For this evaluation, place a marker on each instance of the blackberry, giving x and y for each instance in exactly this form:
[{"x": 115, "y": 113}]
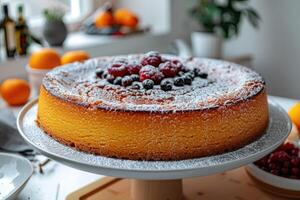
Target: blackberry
[
  {"x": 135, "y": 77},
  {"x": 148, "y": 84},
  {"x": 187, "y": 80},
  {"x": 136, "y": 85},
  {"x": 118, "y": 81},
  {"x": 197, "y": 71},
  {"x": 179, "y": 81},
  {"x": 166, "y": 85},
  {"x": 126, "y": 81},
  {"x": 110, "y": 79}
]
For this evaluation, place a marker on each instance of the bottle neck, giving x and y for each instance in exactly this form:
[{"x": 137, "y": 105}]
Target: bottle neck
[{"x": 5, "y": 10}]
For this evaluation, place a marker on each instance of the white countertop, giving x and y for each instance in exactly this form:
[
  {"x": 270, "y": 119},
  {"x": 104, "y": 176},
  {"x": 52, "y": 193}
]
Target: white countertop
[{"x": 59, "y": 180}]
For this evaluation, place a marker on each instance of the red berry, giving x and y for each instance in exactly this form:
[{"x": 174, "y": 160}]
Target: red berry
[
  {"x": 118, "y": 69},
  {"x": 275, "y": 171},
  {"x": 295, "y": 161},
  {"x": 295, "y": 152},
  {"x": 286, "y": 164},
  {"x": 284, "y": 161},
  {"x": 295, "y": 171},
  {"x": 272, "y": 166},
  {"x": 133, "y": 68},
  {"x": 285, "y": 171},
  {"x": 151, "y": 58},
  {"x": 170, "y": 68},
  {"x": 150, "y": 72}
]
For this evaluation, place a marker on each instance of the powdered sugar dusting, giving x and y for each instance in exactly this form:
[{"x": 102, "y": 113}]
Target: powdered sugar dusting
[{"x": 227, "y": 83}]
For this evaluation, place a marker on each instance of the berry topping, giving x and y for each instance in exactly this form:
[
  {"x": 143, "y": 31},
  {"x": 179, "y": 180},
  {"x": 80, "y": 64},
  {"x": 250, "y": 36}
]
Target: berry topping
[
  {"x": 118, "y": 69},
  {"x": 178, "y": 81},
  {"x": 148, "y": 84},
  {"x": 136, "y": 85},
  {"x": 133, "y": 68},
  {"x": 99, "y": 73},
  {"x": 126, "y": 81},
  {"x": 150, "y": 72},
  {"x": 197, "y": 71},
  {"x": 190, "y": 74},
  {"x": 135, "y": 77},
  {"x": 151, "y": 58},
  {"x": 110, "y": 79},
  {"x": 187, "y": 79},
  {"x": 170, "y": 68},
  {"x": 118, "y": 81},
  {"x": 166, "y": 85},
  {"x": 203, "y": 75},
  {"x": 284, "y": 161}
]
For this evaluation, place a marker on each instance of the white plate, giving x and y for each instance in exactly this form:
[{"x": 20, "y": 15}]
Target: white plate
[
  {"x": 278, "y": 129},
  {"x": 15, "y": 171},
  {"x": 271, "y": 179}
]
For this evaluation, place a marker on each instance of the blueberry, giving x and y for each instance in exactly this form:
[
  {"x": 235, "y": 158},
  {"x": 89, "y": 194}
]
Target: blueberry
[
  {"x": 187, "y": 80},
  {"x": 190, "y": 74},
  {"x": 126, "y": 81},
  {"x": 118, "y": 81},
  {"x": 197, "y": 71},
  {"x": 110, "y": 79},
  {"x": 203, "y": 75},
  {"x": 136, "y": 85},
  {"x": 105, "y": 75},
  {"x": 135, "y": 77},
  {"x": 179, "y": 81},
  {"x": 166, "y": 85},
  {"x": 99, "y": 73},
  {"x": 148, "y": 84}
]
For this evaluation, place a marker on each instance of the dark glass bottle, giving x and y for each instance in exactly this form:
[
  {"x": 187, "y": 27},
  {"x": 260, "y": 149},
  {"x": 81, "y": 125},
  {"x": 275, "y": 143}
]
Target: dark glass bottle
[
  {"x": 8, "y": 26},
  {"x": 22, "y": 35}
]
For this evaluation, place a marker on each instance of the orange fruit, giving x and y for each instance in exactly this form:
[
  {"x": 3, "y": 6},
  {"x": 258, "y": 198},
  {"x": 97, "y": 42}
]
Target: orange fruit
[
  {"x": 125, "y": 17},
  {"x": 104, "y": 19},
  {"x": 294, "y": 114},
  {"x": 15, "y": 91},
  {"x": 46, "y": 58},
  {"x": 73, "y": 56}
]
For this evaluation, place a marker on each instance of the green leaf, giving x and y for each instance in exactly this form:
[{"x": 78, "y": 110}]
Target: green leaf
[{"x": 253, "y": 17}]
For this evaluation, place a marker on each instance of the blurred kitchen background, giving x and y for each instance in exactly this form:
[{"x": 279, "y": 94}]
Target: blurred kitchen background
[{"x": 261, "y": 34}]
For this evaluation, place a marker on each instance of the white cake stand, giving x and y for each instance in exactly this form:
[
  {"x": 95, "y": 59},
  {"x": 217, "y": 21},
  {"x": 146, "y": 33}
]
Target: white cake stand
[{"x": 155, "y": 179}]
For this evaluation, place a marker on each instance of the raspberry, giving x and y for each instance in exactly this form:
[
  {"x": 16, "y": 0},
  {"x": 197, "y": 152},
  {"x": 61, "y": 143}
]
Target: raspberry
[
  {"x": 118, "y": 69},
  {"x": 170, "y": 68},
  {"x": 151, "y": 58},
  {"x": 150, "y": 72},
  {"x": 133, "y": 68}
]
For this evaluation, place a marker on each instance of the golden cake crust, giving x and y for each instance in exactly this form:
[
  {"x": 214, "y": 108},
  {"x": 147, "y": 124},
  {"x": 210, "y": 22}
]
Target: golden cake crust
[{"x": 170, "y": 127}]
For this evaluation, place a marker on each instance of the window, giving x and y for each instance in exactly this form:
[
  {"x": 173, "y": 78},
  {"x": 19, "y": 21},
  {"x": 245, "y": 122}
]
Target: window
[{"x": 33, "y": 9}]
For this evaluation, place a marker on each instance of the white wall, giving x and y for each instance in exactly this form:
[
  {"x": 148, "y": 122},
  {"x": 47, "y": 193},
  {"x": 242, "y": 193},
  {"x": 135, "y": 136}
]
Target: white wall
[{"x": 275, "y": 46}]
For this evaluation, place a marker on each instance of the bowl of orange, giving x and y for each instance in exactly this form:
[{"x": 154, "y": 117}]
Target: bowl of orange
[
  {"x": 40, "y": 62},
  {"x": 44, "y": 60}
]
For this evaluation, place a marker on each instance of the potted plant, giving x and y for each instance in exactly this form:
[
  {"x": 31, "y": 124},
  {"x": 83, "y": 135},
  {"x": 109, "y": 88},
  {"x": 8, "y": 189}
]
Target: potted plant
[
  {"x": 218, "y": 22},
  {"x": 55, "y": 30}
]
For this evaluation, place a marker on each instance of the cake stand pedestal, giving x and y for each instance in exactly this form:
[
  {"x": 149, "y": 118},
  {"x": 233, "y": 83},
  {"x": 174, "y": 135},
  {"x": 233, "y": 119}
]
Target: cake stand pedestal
[
  {"x": 156, "y": 189},
  {"x": 159, "y": 180}
]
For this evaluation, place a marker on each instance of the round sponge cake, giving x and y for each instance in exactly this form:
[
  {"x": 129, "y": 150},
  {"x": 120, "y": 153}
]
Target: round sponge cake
[{"x": 221, "y": 112}]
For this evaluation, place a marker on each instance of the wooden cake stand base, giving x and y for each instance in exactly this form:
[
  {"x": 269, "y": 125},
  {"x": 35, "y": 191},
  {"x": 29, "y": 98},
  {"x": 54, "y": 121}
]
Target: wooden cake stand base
[{"x": 231, "y": 185}]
